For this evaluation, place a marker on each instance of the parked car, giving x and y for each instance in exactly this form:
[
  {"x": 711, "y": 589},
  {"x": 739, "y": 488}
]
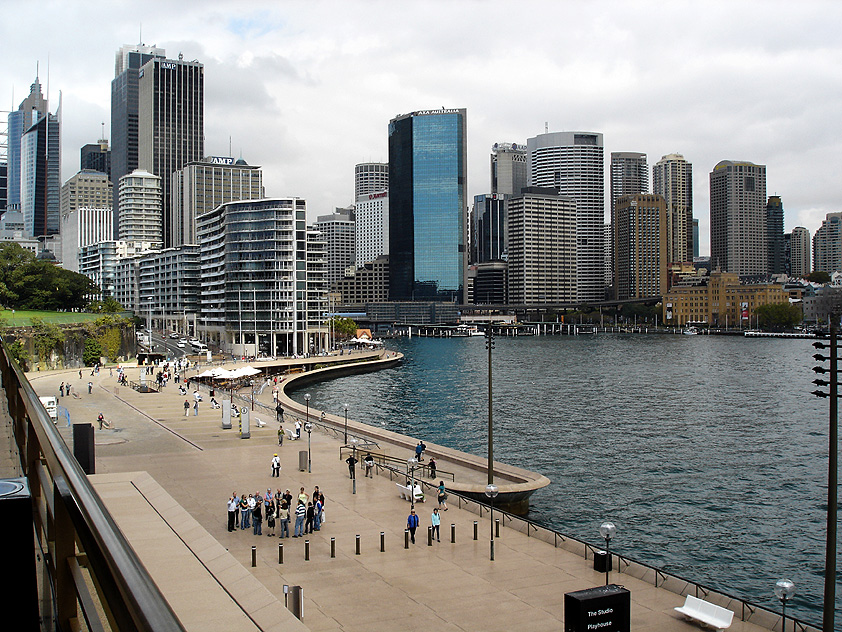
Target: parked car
[
  {"x": 51, "y": 406},
  {"x": 181, "y": 344},
  {"x": 174, "y": 336}
]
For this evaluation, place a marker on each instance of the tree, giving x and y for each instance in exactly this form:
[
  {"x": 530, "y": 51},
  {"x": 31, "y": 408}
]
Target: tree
[
  {"x": 46, "y": 338},
  {"x": 818, "y": 276},
  {"x": 778, "y": 316},
  {"x": 92, "y": 352},
  {"x": 18, "y": 354},
  {"x": 343, "y": 327}
]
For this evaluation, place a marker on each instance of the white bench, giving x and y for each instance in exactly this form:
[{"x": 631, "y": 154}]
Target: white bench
[
  {"x": 706, "y": 613},
  {"x": 405, "y": 491},
  {"x": 290, "y": 434}
]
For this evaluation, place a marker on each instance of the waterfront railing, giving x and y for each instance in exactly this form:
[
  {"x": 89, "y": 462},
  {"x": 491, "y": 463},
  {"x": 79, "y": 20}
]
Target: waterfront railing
[{"x": 87, "y": 563}]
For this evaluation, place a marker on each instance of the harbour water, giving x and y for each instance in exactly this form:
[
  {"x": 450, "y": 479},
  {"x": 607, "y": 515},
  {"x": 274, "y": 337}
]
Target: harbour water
[{"x": 709, "y": 453}]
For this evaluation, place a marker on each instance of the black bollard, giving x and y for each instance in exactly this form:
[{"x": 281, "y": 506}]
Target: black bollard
[
  {"x": 253, "y": 556},
  {"x": 306, "y": 550},
  {"x": 333, "y": 547},
  {"x": 406, "y": 538},
  {"x": 497, "y": 527},
  {"x": 358, "y": 544},
  {"x": 475, "y": 529},
  {"x": 429, "y": 535},
  {"x": 280, "y": 552},
  {"x": 453, "y": 533},
  {"x": 382, "y": 541}
]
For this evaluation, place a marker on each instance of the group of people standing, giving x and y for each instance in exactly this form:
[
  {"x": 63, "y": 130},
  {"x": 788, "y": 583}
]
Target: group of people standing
[{"x": 249, "y": 511}]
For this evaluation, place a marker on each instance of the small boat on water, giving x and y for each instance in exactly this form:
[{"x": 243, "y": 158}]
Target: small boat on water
[
  {"x": 466, "y": 331},
  {"x": 690, "y": 331}
]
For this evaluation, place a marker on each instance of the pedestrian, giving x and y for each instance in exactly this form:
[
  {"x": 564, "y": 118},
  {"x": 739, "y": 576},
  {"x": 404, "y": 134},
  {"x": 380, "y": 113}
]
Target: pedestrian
[
  {"x": 90, "y": 387},
  {"x": 436, "y": 521},
  {"x": 276, "y": 466},
  {"x": 270, "y": 518},
  {"x": 186, "y": 407},
  {"x": 419, "y": 450},
  {"x": 351, "y": 461},
  {"x": 280, "y": 435},
  {"x": 442, "y": 496},
  {"x": 101, "y": 420},
  {"x": 195, "y": 409},
  {"x": 317, "y": 513},
  {"x": 368, "y": 461},
  {"x": 61, "y": 389},
  {"x": 232, "y": 510},
  {"x": 80, "y": 374},
  {"x": 311, "y": 516},
  {"x": 287, "y": 496},
  {"x": 67, "y": 389},
  {"x": 412, "y": 525},
  {"x": 257, "y": 517},
  {"x": 432, "y": 466},
  {"x": 303, "y": 497},
  {"x": 283, "y": 516},
  {"x": 237, "y": 512},
  {"x": 297, "y": 428},
  {"x": 300, "y": 514},
  {"x": 245, "y": 523}
]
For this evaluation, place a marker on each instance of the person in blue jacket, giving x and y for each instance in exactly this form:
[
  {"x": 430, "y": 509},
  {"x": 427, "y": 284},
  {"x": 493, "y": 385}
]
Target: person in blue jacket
[{"x": 412, "y": 525}]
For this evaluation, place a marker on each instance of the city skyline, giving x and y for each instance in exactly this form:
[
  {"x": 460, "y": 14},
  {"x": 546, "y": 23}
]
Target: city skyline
[{"x": 734, "y": 82}]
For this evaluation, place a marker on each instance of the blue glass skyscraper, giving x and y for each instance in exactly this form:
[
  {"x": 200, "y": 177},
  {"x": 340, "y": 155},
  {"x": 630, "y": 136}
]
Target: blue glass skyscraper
[{"x": 427, "y": 205}]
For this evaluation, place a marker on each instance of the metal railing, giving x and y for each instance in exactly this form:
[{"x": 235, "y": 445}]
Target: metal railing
[
  {"x": 75, "y": 532},
  {"x": 393, "y": 463}
]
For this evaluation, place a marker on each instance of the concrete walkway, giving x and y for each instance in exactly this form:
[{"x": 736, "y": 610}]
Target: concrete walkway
[{"x": 447, "y": 586}]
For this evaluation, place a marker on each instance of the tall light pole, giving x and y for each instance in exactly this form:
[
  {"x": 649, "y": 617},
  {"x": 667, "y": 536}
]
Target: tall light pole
[
  {"x": 491, "y": 491},
  {"x": 412, "y": 463},
  {"x": 309, "y": 428},
  {"x": 345, "y": 407},
  {"x": 607, "y": 530},
  {"x": 354, "y": 441},
  {"x": 489, "y": 344},
  {"x": 784, "y": 589}
]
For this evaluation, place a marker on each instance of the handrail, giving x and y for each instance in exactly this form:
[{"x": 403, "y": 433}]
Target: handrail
[
  {"x": 127, "y": 591},
  {"x": 385, "y": 458}
]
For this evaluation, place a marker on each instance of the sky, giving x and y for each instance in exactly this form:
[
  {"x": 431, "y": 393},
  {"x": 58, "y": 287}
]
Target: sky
[{"x": 307, "y": 89}]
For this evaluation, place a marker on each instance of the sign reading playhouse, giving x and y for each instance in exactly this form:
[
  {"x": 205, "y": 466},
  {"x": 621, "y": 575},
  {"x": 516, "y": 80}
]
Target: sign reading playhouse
[{"x": 602, "y": 609}]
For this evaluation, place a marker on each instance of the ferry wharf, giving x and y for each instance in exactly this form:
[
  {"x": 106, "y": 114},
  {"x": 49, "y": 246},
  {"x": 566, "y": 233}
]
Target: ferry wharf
[{"x": 165, "y": 477}]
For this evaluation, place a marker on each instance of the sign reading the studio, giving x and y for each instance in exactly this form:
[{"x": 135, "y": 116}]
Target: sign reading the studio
[{"x": 602, "y": 609}]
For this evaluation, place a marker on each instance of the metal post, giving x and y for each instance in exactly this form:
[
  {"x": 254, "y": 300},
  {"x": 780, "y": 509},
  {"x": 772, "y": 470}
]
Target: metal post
[
  {"x": 280, "y": 552},
  {"x": 489, "y": 344},
  {"x": 345, "y": 406},
  {"x": 475, "y": 529},
  {"x": 491, "y": 517},
  {"x": 306, "y": 550},
  {"x": 452, "y": 533},
  {"x": 429, "y": 535},
  {"x": 382, "y": 542},
  {"x": 832, "y": 491},
  {"x": 406, "y": 538},
  {"x": 497, "y": 527},
  {"x": 333, "y": 547},
  {"x": 358, "y": 544},
  {"x": 253, "y": 556}
]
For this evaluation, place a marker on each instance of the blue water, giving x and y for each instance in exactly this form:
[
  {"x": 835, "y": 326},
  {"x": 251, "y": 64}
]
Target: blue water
[{"x": 709, "y": 453}]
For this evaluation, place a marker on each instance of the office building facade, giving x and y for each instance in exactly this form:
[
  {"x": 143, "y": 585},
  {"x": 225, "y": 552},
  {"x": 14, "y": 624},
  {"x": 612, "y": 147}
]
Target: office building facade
[
  {"x": 370, "y": 177},
  {"x": 640, "y": 246},
  {"x": 30, "y": 111},
  {"x": 366, "y": 283},
  {"x": 86, "y": 189},
  {"x": 799, "y": 252},
  {"x": 40, "y": 176},
  {"x": 672, "y": 178},
  {"x": 96, "y": 157},
  {"x": 776, "y": 263},
  {"x": 427, "y": 205},
  {"x": 490, "y": 227},
  {"x": 201, "y": 186},
  {"x": 738, "y": 237},
  {"x": 827, "y": 245},
  {"x": 82, "y": 227},
  {"x": 508, "y": 168},
  {"x": 372, "y": 226},
  {"x": 140, "y": 207},
  {"x": 338, "y": 232},
  {"x": 572, "y": 163},
  {"x": 542, "y": 262},
  {"x": 170, "y": 125}
]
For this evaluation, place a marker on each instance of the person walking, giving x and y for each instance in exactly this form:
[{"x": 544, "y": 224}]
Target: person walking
[
  {"x": 368, "y": 461},
  {"x": 283, "y": 517},
  {"x": 186, "y": 407},
  {"x": 300, "y": 515},
  {"x": 257, "y": 516},
  {"x": 351, "y": 461},
  {"x": 412, "y": 525},
  {"x": 436, "y": 521},
  {"x": 232, "y": 510},
  {"x": 61, "y": 389},
  {"x": 419, "y": 451},
  {"x": 432, "y": 466},
  {"x": 101, "y": 420},
  {"x": 280, "y": 435},
  {"x": 276, "y": 466},
  {"x": 297, "y": 429},
  {"x": 442, "y": 496},
  {"x": 195, "y": 409},
  {"x": 90, "y": 387}
]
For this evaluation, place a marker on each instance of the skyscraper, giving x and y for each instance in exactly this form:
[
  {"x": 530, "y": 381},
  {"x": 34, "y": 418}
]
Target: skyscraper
[
  {"x": 508, "y": 168},
  {"x": 427, "y": 204},
  {"x": 124, "y": 122},
  {"x": 372, "y": 226},
  {"x": 799, "y": 252},
  {"x": 827, "y": 245},
  {"x": 490, "y": 227},
  {"x": 370, "y": 177},
  {"x": 338, "y": 233},
  {"x": 170, "y": 124},
  {"x": 140, "y": 208},
  {"x": 640, "y": 246},
  {"x": 40, "y": 176},
  {"x": 738, "y": 239},
  {"x": 572, "y": 163},
  {"x": 775, "y": 235},
  {"x": 629, "y": 174},
  {"x": 30, "y": 110},
  {"x": 96, "y": 157},
  {"x": 672, "y": 178}
]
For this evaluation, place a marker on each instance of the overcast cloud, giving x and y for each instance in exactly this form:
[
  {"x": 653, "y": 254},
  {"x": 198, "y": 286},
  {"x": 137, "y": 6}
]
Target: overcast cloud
[{"x": 306, "y": 89}]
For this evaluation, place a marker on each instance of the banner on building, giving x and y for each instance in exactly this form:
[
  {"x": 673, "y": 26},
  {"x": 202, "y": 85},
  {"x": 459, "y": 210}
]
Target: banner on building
[{"x": 744, "y": 310}]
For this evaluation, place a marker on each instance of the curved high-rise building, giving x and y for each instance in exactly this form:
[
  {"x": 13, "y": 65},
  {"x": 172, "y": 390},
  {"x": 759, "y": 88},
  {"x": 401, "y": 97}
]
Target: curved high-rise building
[
  {"x": 140, "y": 207},
  {"x": 672, "y": 178},
  {"x": 370, "y": 177}
]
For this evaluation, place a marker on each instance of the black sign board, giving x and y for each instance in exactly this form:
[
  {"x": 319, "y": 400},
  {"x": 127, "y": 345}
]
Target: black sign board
[{"x": 602, "y": 609}]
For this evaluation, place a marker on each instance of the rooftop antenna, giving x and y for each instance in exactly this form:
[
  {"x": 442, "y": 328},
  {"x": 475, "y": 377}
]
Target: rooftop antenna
[
  {"x": 140, "y": 33},
  {"x": 546, "y": 127},
  {"x": 230, "y": 151}
]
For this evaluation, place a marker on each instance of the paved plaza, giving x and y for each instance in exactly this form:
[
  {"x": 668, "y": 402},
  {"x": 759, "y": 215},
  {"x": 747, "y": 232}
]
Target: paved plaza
[{"x": 166, "y": 477}]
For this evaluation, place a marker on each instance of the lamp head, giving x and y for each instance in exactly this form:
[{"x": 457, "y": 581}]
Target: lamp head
[
  {"x": 306, "y": 397},
  {"x": 784, "y": 589},
  {"x": 345, "y": 406},
  {"x": 607, "y": 530},
  {"x": 412, "y": 462},
  {"x": 491, "y": 490}
]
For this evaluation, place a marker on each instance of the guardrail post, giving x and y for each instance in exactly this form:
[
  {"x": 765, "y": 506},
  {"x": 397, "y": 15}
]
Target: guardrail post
[
  {"x": 497, "y": 527},
  {"x": 306, "y": 550},
  {"x": 333, "y": 547},
  {"x": 358, "y": 544},
  {"x": 453, "y": 533},
  {"x": 65, "y": 547},
  {"x": 406, "y": 538},
  {"x": 280, "y": 552},
  {"x": 253, "y": 556},
  {"x": 429, "y": 535},
  {"x": 475, "y": 529},
  {"x": 382, "y": 541}
]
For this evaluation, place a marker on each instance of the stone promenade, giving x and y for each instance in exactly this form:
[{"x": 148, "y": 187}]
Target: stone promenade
[{"x": 166, "y": 477}]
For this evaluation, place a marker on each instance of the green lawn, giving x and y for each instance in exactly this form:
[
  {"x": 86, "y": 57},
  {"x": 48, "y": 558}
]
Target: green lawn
[{"x": 23, "y": 318}]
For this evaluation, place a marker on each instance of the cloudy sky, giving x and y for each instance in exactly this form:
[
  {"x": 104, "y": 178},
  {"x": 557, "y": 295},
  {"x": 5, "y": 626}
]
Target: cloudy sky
[{"x": 306, "y": 89}]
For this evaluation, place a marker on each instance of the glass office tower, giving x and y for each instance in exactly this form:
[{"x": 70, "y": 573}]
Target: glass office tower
[{"x": 427, "y": 197}]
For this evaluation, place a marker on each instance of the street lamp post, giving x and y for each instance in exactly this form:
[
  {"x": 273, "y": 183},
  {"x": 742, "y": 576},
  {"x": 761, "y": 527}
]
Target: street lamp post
[
  {"x": 307, "y": 401},
  {"x": 309, "y": 428},
  {"x": 354, "y": 441},
  {"x": 784, "y": 589},
  {"x": 251, "y": 382},
  {"x": 489, "y": 344},
  {"x": 607, "y": 530},
  {"x": 412, "y": 463},
  {"x": 491, "y": 491},
  {"x": 345, "y": 407}
]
